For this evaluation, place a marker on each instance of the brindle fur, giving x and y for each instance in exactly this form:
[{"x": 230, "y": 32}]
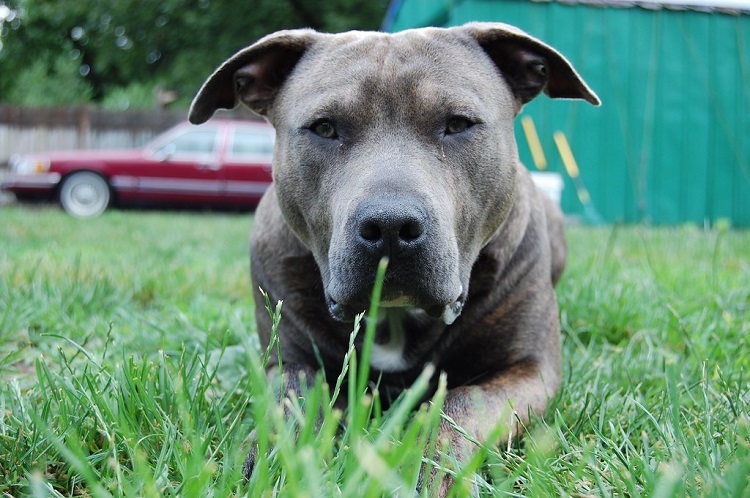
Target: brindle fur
[{"x": 464, "y": 227}]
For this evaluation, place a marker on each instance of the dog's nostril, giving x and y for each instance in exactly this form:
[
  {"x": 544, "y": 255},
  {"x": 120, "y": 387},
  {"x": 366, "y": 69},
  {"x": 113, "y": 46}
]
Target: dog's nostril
[
  {"x": 370, "y": 231},
  {"x": 410, "y": 231}
]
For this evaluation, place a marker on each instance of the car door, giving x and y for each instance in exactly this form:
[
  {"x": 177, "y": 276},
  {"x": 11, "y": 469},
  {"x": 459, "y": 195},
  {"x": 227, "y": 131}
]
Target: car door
[
  {"x": 247, "y": 163},
  {"x": 184, "y": 168}
]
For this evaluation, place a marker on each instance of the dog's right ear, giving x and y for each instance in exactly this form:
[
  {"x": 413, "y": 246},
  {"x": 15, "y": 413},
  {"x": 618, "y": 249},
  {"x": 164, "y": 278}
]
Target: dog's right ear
[
  {"x": 529, "y": 65},
  {"x": 253, "y": 75}
]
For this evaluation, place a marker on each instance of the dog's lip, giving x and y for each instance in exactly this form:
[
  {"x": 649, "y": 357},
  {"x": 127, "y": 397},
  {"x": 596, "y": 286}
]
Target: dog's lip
[
  {"x": 340, "y": 312},
  {"x": 447, "y": 313}
]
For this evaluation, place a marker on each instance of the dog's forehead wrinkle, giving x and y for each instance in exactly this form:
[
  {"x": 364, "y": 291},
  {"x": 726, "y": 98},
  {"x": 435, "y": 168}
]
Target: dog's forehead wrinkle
[{"x": 397, "y": 77}]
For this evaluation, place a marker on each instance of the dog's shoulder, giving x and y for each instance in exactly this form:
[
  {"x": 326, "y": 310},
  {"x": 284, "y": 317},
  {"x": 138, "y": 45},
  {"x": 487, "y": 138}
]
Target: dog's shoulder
[
  {"x": 270, "y": 236},
  {"x": 530, "y": 243}
]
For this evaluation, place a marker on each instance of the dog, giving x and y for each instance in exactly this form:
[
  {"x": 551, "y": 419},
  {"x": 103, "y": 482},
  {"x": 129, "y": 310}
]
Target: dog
[{"x": 402, "y": 146}]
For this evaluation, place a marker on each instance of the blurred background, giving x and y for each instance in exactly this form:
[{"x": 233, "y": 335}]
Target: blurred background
[
  {"x": 671, "y": 142},
  {"x": 670, "y": 145}
]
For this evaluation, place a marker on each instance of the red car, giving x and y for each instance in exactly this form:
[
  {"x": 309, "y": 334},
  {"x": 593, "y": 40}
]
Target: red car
[{"x": 220, "y": 164}]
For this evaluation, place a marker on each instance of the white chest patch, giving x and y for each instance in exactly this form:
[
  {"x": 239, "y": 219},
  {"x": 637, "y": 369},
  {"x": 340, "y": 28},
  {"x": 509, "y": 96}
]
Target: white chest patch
[{"x": 389, "y": 357}]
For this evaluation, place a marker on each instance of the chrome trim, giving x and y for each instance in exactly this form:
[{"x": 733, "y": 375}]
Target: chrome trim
[
  {"x": 179, "y": 185},
  {"x": 37, "y": 180},
  {"x": 175, "y": 185},
  {"x": 236, "y": 187}
]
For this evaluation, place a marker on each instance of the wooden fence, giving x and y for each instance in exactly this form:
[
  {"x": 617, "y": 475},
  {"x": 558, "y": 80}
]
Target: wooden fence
[{"x": 24, "y": 130}]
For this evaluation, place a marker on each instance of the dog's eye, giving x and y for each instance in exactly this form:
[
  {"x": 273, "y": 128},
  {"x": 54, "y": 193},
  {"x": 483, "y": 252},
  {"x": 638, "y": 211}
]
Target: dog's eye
[
  {"x": 457, "y": 124},
  {"x": 324, "y": 129}
]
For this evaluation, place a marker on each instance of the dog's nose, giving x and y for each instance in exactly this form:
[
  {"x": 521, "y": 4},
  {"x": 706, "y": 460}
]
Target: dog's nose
[{"x": 389, "y": 228}]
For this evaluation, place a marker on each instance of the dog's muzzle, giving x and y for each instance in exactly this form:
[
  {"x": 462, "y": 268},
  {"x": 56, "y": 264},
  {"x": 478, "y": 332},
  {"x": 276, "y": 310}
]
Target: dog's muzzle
[{"x": 401, "y": 231}]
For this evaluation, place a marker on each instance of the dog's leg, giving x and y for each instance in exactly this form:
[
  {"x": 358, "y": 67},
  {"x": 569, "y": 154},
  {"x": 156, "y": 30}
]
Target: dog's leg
[
  {"x": 296, "y": 380},
  {"x": 508, "y": 398}
]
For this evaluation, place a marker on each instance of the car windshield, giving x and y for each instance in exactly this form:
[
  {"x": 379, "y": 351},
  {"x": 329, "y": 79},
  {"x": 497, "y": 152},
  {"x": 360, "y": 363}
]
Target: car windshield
[
  {"x": 190, "y": 143},
  {"x": 246, "y": 143}
]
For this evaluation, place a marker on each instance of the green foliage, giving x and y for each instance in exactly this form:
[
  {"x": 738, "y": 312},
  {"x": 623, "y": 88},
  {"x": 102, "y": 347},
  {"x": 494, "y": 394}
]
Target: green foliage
[
  {"x": 45, "y": 84},
  {"x": 133, "y": 96},
  {"x": 130, "y": 367},
  {"x": 173, "y": 44}
]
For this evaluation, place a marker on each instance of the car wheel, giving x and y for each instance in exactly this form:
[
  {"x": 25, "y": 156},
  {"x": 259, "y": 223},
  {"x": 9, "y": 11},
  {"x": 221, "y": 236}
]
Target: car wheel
[{"x": 84, "y": 194}]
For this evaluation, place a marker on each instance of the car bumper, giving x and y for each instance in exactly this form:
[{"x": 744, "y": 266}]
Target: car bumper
[{"x": 36, "y": 183}]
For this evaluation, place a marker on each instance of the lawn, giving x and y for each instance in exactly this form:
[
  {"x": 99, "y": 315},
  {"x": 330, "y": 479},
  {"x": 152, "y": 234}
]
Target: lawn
[{"x": 130, "y": 367}]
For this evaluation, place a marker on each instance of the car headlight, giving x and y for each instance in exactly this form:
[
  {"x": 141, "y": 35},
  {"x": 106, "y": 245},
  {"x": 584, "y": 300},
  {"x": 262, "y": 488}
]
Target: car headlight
[{"x": 25, "y": 165}]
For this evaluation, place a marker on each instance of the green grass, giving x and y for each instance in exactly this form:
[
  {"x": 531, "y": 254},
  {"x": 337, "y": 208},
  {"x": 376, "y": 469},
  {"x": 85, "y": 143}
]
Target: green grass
[{"x": 130, "y": 367}]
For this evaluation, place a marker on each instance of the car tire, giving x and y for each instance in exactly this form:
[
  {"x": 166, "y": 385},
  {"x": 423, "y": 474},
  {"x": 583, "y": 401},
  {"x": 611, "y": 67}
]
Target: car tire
[{"x": 85, "y": 194}]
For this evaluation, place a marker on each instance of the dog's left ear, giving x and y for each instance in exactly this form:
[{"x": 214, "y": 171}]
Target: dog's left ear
[
  {"x": 528, "y": 65},
  {"x": 253, "y": 75}
]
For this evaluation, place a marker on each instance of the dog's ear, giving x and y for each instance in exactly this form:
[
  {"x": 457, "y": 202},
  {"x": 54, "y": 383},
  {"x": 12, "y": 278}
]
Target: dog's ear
[
  {"x": 253, "y": 75},
  {"x": 528, "y": 65}
]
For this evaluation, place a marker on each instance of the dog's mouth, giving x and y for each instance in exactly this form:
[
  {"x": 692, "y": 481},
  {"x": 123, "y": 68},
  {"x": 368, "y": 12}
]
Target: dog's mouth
[{"x": 447, "y": 313}]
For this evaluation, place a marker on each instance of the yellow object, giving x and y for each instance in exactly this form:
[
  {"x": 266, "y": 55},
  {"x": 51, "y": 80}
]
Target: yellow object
[
  {"x": 567, "y": 155},
  {"x": 537, "y": 154}
]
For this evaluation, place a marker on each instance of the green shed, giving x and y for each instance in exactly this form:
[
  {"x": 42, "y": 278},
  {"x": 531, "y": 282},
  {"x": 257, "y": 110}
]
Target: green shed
[{"x": 671, "y": 142}]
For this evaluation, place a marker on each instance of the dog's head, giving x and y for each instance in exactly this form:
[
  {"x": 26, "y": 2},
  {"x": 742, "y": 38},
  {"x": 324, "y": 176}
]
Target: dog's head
[{"x": 397, "y": 145}]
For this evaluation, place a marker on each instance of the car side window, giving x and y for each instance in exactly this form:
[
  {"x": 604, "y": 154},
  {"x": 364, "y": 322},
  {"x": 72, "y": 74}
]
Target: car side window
[
  {"x": 248, "y": 143},
  {"x": 192, "y": 143}
]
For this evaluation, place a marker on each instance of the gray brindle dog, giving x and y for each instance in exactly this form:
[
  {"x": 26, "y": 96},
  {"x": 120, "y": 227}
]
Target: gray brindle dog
[{"x": 402, "y": 145}]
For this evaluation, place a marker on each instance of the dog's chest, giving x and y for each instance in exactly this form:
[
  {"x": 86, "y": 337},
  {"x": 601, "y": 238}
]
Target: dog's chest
[
  {"x": 389, "y": 349},
  {"x": 405, "y": 340}
]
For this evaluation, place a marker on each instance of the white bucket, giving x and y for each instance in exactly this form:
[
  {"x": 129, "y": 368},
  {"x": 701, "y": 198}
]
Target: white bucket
[{"x": 549, "y": 183}]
